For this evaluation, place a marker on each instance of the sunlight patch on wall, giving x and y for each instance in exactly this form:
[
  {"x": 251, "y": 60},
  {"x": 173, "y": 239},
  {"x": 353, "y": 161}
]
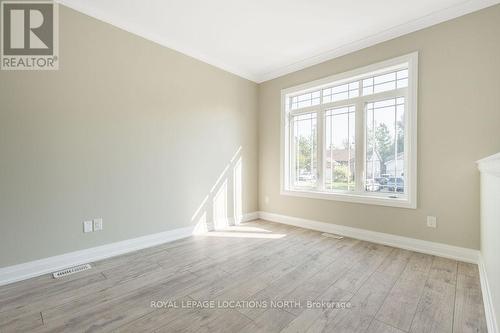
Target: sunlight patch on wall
[
  {"x": 238, "y": 192},
  {"x": 220, "y": 207},
  {"x": 223, "y": 205}
]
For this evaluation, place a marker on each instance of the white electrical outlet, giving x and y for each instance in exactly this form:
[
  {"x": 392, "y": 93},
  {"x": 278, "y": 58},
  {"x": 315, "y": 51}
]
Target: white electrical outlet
[
  {"x": 266, "y": 200},
  {"x": 98, "y": 224},
  {"x": 431, "y": 222},
  {"x": 87, "y": 226}
]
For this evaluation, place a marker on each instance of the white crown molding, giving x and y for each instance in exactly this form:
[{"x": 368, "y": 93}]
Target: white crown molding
[
  {"x": 490, "y": 165},
  {"x": 417, "y": 245},
  {"x": 446, "y": 14},
  {"x": 489, "y": 310},
  {"x": 39, "y": 267},
  {"x": 156, "y": 38},
  {"x": 397, "y": 31}
]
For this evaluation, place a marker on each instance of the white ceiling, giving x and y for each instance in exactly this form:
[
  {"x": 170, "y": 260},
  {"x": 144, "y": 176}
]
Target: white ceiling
[{"x": 264, "y": 39}]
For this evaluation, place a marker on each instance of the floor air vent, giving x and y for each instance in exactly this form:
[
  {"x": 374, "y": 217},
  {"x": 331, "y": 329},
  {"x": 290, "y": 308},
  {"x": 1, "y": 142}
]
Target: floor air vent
[{"x": 71, "y": 270}]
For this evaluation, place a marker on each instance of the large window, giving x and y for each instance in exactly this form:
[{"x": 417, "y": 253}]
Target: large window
[{"x": 352, "y": 137}]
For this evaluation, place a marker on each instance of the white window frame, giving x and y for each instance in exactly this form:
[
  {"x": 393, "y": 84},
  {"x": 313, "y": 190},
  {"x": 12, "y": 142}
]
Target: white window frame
[{"x": 409, "y": 200}]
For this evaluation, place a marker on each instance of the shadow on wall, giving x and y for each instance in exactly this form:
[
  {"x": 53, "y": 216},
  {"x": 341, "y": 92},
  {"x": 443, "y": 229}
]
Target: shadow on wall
[{"x": 222, "y": 206}]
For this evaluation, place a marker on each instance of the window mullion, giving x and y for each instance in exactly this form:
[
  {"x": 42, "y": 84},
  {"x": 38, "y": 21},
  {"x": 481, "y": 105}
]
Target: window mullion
[
  {"x": 320, "y": 149},
  {"x": 360, "y": 146},
  {"x": 292, "y": 151}
]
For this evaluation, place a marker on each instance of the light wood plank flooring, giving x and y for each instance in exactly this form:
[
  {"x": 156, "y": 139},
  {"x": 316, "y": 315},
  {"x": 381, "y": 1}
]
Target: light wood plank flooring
[{"x": 264, "y": 277}]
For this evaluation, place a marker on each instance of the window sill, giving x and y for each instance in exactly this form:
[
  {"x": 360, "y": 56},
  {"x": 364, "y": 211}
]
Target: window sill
[{"x": 403, "y": 202}]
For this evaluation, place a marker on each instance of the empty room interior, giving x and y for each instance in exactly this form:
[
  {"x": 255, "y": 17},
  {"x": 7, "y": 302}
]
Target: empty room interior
[{"x": 250, "y": 166}]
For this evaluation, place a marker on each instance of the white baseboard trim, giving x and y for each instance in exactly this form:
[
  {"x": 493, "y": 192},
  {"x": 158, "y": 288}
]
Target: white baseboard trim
[
  {"x": 438, "y": 249},
  {"x": 489, "y": 310},
  {"x": 234, "y": 221},
  {"x": 39, "y": 267},
  {"x": 31, "y": 269},
  {"x": 249, "y": 217}
]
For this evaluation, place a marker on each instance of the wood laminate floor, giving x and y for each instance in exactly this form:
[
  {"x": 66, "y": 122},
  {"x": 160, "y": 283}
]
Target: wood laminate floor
[{"x": 257, "y": 277}]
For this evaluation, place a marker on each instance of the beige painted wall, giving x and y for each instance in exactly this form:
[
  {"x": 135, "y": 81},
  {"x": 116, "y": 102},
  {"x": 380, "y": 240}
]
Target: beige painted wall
[
  {"x": 458, "y": 123},
  {"x": 138, "y": 134},
  {"x": 126, "y": 130}
]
